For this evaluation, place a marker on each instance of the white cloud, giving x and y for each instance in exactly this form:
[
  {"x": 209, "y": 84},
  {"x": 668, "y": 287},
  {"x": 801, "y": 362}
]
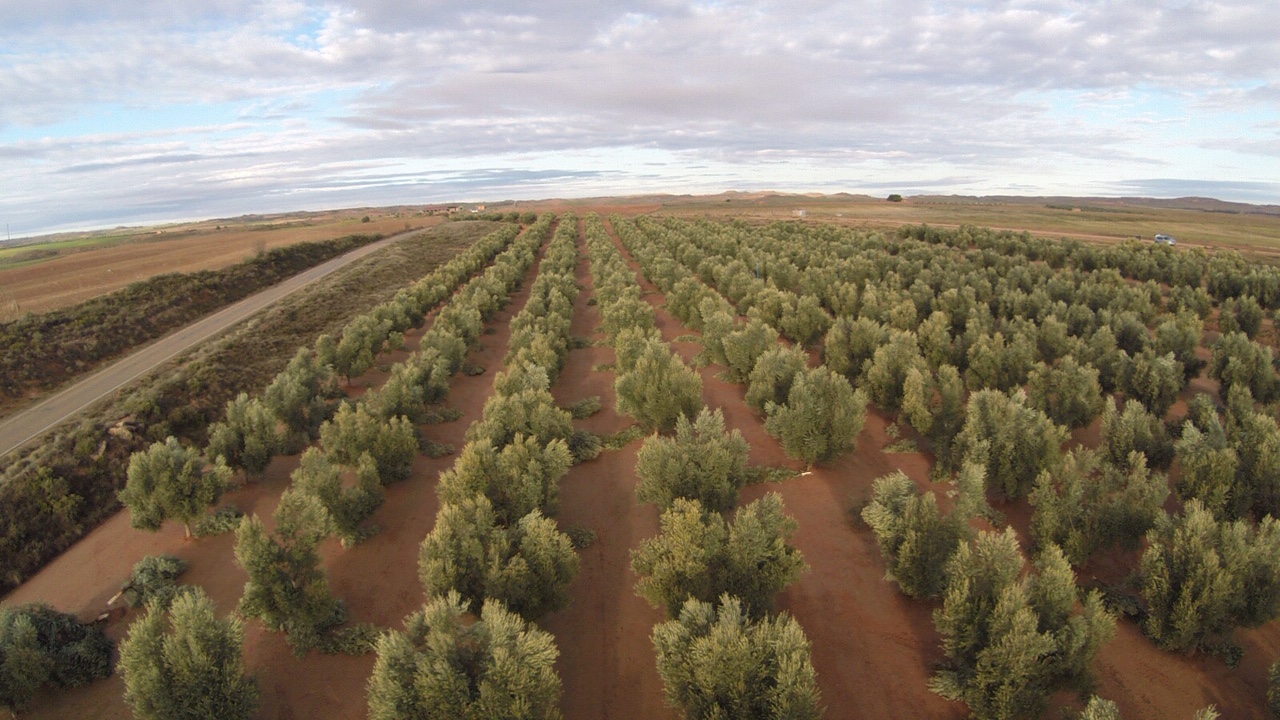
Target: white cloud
[{"x": 817, "y": 89}]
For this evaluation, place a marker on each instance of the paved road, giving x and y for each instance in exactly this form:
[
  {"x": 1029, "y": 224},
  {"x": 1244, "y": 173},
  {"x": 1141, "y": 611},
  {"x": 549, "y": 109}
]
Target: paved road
[{"x": 21, "y": 428}]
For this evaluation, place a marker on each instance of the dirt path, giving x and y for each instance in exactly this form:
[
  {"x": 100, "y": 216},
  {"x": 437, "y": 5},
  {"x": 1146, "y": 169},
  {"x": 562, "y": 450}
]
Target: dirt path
[
  {"x": 606, "y": 659},
  {"x": 378, "y": 579},
  {"x": 18, "y": 429}
]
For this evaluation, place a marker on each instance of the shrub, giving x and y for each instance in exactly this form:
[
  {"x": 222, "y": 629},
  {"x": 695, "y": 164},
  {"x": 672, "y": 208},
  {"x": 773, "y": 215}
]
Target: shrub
[
  {"x": 444, "y": 665},
  {"x": 702, "y": 462},
  {"x": 822, "y": 417},
  {"x": 154, "y": 580},
  {"x": 180, "y": 662},
  {"x": 716, "y": 662},
  {"x": 40, "y": 646}
]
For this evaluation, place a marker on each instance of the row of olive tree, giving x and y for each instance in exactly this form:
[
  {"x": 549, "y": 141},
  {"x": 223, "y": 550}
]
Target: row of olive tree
[{"x": 494, "y": 551}]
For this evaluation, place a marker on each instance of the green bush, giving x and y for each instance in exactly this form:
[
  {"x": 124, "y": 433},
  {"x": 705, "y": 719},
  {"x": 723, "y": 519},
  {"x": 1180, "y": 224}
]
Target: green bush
[
  {"x": 822, "y": 417},
  {"x": 659, "y": 389},
  {"x": 1015, "y": 442},
  {"x": 154, "y": 579},
  {"x": 40, "y": 646}
]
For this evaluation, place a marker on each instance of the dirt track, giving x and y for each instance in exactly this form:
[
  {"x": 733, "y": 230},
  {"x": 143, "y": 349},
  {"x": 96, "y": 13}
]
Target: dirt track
[{"x": 18, "y": 429}]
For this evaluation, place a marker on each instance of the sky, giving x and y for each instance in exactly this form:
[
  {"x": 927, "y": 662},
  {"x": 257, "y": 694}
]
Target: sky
[{"x": 140, "y": 111}]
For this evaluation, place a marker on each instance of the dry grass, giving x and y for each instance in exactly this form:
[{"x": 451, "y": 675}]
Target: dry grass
[{"x": 88, "y": 267}]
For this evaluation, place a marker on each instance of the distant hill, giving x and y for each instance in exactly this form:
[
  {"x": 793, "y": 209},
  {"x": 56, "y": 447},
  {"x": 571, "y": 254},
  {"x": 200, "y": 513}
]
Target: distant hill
[{"x": 1202, "y": 204}]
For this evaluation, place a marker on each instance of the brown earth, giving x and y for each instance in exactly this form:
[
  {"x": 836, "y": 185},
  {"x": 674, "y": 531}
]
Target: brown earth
[
  {"x": 78, "y": 276},
  {"x": 873, "y": 648}
]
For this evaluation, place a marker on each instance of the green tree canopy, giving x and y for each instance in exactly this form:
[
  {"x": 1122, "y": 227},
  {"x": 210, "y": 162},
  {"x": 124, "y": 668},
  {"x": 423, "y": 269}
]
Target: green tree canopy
[
  {"x": 448, "y": 666},
  {"x": 181, "y": 662},
  {"x": 171, "y": 481}
]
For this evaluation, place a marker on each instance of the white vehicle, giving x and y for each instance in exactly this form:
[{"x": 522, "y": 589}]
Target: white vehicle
[{"x": 1165, "y": 240}]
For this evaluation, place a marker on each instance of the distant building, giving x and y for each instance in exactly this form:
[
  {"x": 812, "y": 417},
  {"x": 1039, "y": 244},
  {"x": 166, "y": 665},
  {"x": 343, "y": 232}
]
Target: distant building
[{"x": 800, "y": 213}]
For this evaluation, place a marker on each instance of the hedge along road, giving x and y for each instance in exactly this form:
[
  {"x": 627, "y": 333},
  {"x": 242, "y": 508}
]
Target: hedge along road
[{"x": 29, "y": 424}]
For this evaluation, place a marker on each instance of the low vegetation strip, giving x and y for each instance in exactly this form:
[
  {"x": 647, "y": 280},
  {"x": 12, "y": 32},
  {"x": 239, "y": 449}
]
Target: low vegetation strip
[
  {"x": 54, "y": 493},
  {"x": 42, "y": 351}
]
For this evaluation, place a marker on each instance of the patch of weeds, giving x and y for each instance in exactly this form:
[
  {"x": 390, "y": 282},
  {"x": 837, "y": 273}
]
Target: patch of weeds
[
  {"x": 585, "y": 407},
  {"x": 433, "y": 449},
  {"x": 224, "y": 519},
  {"x": 489, "y": 330},
  {"x": 472, "y": 369},
  {"x": 354, "y": 640},
  {"x": 905, "y": 445},
  {"x": 1230, "y": 652},
  {"x": 622, "y": 438},
  {"x": 578, "y": 342},
  {"x": 688, "y": 338},
  {"x": 154, "y": 579},
  {"x": 605, "y": 367},
  {"x": 437, "y": 414},
  {"x": 892, "y": 430},
  {"x": 1121, "y": 598},
  {"x": 854, "y": 507},
  {"x": 593, "y": 300},
  {"x": 384, "y": 367},
  {"x": 584, "y": 446},
  {"x": 582, "y": 538},
  {"x": 769, "y": 473}
]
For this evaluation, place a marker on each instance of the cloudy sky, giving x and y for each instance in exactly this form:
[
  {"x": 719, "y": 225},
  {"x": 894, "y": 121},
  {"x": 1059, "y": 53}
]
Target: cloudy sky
[{"x": 135, "y": 111}]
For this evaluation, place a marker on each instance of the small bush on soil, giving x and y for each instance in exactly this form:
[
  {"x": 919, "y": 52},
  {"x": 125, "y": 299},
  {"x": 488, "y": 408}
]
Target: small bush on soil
[
  {"x": 154, "y": 580},
  {"x": 223, "y": 520},
  {"x": 585, "y": 407},
  {"x": 40, "y": 646}
]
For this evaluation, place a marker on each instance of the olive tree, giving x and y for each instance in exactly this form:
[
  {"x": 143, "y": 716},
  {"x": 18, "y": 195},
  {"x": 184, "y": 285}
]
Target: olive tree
[
  {"x": 821, "y": 418},
  {"x": 528, "y": 566},
  {"x": 288, "y": 589},
  {"x": 771, "y": 378},
  {"x": 1012, "y": 640},
  {"x": 702, "y": 461},
  {"x": 915, "y": 538},
  {"x": 1014, "y": 441},
  {"x": 522, "y": 477},
  {"x": 447, "y": 666},
  {"x": 698, "y": 554},
  {"x": 354, "y": 431},
  {"x": 348, "y": 506},
  {"x": 1067, "y": 392},
  {"x": 659, "y": 389},
  {"x": 170, "y": 481},
  {"x": 181, "y": 662},
  {"x": 717, "y": 662},
  {"x": 249, "y": 437}
]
